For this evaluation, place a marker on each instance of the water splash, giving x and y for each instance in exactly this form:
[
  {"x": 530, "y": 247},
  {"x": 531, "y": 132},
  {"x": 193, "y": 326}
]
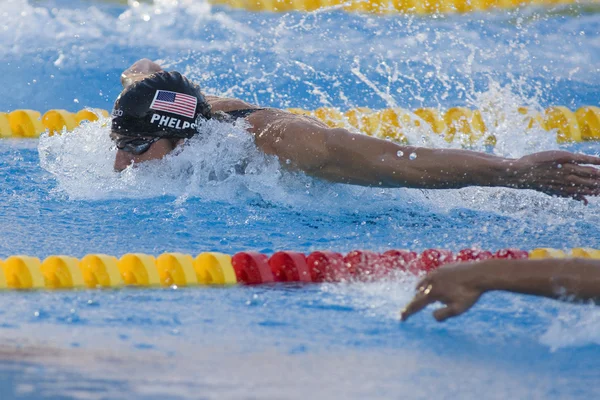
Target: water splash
[
  {"x": 575, "y": 326},
  {"x": 82, "y": 162}
]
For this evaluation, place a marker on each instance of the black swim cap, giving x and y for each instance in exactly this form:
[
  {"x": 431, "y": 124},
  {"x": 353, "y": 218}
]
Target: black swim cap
[{"x": 164, "y": 105}]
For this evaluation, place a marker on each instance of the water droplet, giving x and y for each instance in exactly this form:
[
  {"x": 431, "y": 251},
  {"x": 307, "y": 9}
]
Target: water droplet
[
  {"x": 399, "y": 153},
  {"x": 412, "y": 156},
  {"x": 559, "y": 166}
]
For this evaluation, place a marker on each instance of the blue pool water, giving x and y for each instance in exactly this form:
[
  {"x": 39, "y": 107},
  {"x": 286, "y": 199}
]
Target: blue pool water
[{"x": 59, "y": 195}]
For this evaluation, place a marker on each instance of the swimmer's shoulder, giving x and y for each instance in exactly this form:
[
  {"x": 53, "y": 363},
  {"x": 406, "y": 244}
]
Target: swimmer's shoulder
[
  {"x": 261, "y": 117},
  {"x": 226, "y": 104}
]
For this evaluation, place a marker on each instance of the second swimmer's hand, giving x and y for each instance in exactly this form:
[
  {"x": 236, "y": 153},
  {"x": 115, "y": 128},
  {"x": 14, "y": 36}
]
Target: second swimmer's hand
[
  {"x": 557, "y": 173},
  {"x": 454, "y": 286}
]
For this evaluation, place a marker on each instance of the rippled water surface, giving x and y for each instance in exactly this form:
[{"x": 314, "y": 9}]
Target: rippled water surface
[{"x": 59, "y": 195}]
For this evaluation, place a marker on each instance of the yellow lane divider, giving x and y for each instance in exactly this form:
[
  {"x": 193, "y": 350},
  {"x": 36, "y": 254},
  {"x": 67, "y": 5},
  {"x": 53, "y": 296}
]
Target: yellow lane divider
[
  {"x": 456, "y": 123},
  {"x": 421, "y": 7},
  {"x": 101, "y": 270},
  {"x": 30, "y": 123},
  {"x": 459, "y": 123}
]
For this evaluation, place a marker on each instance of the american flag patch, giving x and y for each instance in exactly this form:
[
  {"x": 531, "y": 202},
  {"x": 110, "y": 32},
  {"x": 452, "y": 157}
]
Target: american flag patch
[{"x": 176, "y": 103}]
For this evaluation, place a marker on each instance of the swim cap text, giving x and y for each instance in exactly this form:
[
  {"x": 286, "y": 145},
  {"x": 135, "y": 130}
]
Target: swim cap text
[{"x": 171, "y": 122}]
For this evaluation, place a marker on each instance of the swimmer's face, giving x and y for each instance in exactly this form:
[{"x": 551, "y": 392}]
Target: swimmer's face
[{"x": 156, "y": 151}]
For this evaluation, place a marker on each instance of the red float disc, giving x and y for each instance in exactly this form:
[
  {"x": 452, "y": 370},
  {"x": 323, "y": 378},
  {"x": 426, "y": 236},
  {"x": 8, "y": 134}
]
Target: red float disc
[
  {"x": 364, "y": 264},
  {"x": 252, "y": 268},
  {"x": 289, "y": 266},
  {"x": 473, "y": 255},
  {"x": 513, "y": 254},
  {"x": 398, "y": 259},
  {"x": 327, "y": 266},
  {"x": 431, "y": 259}
]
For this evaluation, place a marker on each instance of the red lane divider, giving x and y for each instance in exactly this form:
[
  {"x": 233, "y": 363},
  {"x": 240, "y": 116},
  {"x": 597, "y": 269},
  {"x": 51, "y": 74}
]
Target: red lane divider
[{"x": 326, "y": 266}]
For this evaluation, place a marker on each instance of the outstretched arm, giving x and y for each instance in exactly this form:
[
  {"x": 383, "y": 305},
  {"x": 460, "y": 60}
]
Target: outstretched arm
[
  {"x": 341, "y": 156},
  {"x": 459, "y": 286}
]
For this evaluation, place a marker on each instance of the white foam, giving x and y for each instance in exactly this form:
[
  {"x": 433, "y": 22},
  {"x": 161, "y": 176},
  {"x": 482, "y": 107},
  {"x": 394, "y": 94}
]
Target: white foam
[{"x": 575, "y": 326}]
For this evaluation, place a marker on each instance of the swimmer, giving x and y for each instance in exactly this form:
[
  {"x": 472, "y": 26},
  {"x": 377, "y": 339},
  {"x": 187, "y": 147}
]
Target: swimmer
[
  {"x": 158, "y": 110},
  {"x": 459, "y": 286}
]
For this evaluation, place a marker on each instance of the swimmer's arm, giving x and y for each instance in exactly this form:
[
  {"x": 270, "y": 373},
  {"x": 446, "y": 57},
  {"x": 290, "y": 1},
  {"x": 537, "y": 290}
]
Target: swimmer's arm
[
  {"x": 459, "y": 286},
  {"x": 341, "y": 156},
  {"x": 138, "y": 71}
]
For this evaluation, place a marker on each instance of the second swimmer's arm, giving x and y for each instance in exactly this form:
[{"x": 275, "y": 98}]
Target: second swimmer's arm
[{"x": 459, "y": 286}]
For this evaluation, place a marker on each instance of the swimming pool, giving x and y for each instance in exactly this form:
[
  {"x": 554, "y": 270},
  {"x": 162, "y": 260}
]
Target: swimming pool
[{"x": 60, "y": 196}]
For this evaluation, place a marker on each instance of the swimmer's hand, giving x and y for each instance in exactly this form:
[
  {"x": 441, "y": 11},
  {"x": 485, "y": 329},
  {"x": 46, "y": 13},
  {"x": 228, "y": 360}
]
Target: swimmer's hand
[
  {"x": 455, "y": 286},
  {"x": 459, "y": 286},
  {"x": 557, "y": 173},
  {"x": 139, "y": 70}
]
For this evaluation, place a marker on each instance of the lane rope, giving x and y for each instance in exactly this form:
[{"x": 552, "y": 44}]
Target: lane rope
[
  {"x": 460, "y": 124},
  {"x": 419, "y": 7},
  {"x": 20, "y": 272}
]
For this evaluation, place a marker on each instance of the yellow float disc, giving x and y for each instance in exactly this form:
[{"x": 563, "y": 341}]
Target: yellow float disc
[
  {"x": 2, "y": 276},
  {"x": 331, "y": 116},
  {"x": 5, "y": 130},
  {"x": 215, "y": 269},
  {"x": 432, "y": 117},
  {"x": 589, "y": 122},
  {"x": 458, "y": 121},
  {"x": 311, "y": 5},
  {"x": 61, "y": 272},
  {"x": 300, "y": 111},
  {"x": 478, "y": 126},
  {"x": 100, "y": 270},
  {"x": 23, "y": 272},
  {"x": 564, "y": 121},
  {"x": 393, "y": 121},
  {"x": 533, "y": 118},
  {"x": 355, "y": 115},
  {"x": 176, "y": 269},
  {"x": 89, "y": 114},
  {"x": 139, "y": 269},
  {"x": 25, "y": 123},
  {"x": 584, "y": 252},
  {"x": 57, "y": 120},
  {"x": 546, "y": 253}
]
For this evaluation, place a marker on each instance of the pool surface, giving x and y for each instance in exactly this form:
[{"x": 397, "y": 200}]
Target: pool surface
[{"x": 59, "y": 195}]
